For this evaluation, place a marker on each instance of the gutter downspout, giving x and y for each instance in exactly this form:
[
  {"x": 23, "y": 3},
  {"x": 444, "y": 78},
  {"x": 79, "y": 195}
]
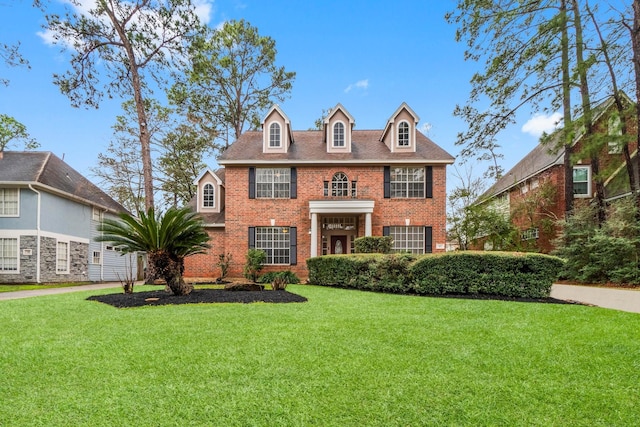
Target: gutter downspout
[{"x": 37, "y": 233}]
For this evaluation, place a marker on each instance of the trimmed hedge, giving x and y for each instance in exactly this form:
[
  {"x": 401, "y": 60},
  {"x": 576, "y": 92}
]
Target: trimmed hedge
[
  {"x": 525, "y": 275},
  {"x": 373, "y": 244}
]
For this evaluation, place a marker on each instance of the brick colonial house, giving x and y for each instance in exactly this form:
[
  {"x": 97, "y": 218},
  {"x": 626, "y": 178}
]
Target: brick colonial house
[
  {"x": 300, "y": 194},
  {"x": 532, "y": 192}
]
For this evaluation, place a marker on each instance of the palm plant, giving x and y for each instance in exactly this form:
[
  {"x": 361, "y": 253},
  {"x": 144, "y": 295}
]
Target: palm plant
[{"x": 167, "y": 239}]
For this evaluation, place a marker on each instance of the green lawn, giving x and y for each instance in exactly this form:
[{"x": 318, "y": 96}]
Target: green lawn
[
  {"x": 344, "y": 358},
  {"x": 30, "y": 287}
]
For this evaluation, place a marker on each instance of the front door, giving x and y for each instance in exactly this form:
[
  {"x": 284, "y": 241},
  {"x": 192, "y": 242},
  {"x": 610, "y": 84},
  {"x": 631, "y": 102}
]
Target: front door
[{"x": 338, "y": 245}]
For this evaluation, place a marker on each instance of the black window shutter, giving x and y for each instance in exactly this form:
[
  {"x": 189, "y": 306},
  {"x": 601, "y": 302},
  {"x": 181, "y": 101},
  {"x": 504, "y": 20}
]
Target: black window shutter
[
  {"x": 387, "y": 182},
  {"x": 293, "y": 246},
  {"x": 429, "y": 182},
  {"x": 385, "y": 230},
  {"x": 294, "y": 184},
  {"x": 428, "y": 240},
  {"x": 252, "y": 237},
  {"x": 252, "y": 183}
]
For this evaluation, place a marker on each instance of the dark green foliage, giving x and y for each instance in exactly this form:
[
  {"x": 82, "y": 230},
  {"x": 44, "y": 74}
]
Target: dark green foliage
[
  {"x": 610, "y": 253},
  {"x": 512, "y": 274},
  {"x": 288, "y": 276},
  {"x": 255, "y": 263},
  {"x": 492, "y": 273},
  {"x": 374, "y": 245},
  {"x": 167, "y": 239}
]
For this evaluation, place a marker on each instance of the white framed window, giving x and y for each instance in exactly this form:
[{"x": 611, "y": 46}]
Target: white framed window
[
  {"x": 96, "y": 214},
  {"x": 524, "y": 189},
  {"x": 340, "y": 185},
  {"x": 208, "y": 196},
  {"x": 407, "y": 182},
  {"x": 96, "y": 258},
  {"x": 274, "y": 135},
  {"x": 535, "y": 183},
  {"x": 62, "y": 257},
  {"x": 338, "y": 134},
  {"x": 530, "y": 234},
  {"x": 275, "y": 242},
  {"x": 614, "y": 130},
  {"x": 403, "y": 134},
  {"x": 9, "y": 201},
  {"x": 581, "y": 181},
  {"x": 407, "y": 239},
  {"x": 273, "y": 183},
  {"x": 8, "y": 255}
]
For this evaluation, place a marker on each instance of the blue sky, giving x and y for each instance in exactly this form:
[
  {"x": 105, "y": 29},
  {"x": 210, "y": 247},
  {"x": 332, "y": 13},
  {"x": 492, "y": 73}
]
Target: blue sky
[{"x": 370, "y": 56}]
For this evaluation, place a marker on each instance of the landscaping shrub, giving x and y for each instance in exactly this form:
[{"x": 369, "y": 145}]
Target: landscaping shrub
[
  {"x": 526, "y": 275},
  {"x": 373, "y": 244},
  {"x": 254, "y": 264},
  {"x": 288, "y": 276},
  {"x": 512, "y": 274},
  {"x": 602, "y": 253}
]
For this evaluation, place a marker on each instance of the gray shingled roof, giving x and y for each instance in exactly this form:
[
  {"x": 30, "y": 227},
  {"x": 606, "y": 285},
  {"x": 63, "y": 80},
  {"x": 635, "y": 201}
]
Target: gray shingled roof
[
  {"x": 538, "y": 159},
  {"x": 309, "y": 148},
  {"x": 541, "y": 158},
  {"x": 46, "y": 171}
]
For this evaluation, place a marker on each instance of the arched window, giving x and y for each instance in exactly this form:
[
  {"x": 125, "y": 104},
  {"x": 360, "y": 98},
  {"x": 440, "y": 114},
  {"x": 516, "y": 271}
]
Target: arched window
[
  {"x": 340, "y": 185},
  {"x": 274, "y": 135},
  {"x": 208, "y": 196},
  {"x": 403, "y": 134},
  {"x": 338, "y": 135}
]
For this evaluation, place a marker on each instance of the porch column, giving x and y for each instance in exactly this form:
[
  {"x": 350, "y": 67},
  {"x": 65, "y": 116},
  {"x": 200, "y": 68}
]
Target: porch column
[
  {"x": 367, "y": 224},
  {"x": 314, "y": 235}
]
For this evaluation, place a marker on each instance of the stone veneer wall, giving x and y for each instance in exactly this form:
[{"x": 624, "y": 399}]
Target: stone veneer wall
[
  {"x": 27, "y": 263},
  {"x": 78, "y": 265}
]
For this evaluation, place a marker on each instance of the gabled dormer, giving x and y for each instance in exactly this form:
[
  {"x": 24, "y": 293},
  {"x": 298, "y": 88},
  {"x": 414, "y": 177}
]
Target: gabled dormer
[
  {"x": 210, "y": 187},
  {"x": 400, "y": 132},
  {"x": 276, "y": 131},
  {"x": 337, "y": 130}
]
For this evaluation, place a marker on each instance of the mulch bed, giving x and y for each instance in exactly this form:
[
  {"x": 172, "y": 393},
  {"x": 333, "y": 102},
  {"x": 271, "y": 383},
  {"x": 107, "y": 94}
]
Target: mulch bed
[{"x": 197, "y": 296}]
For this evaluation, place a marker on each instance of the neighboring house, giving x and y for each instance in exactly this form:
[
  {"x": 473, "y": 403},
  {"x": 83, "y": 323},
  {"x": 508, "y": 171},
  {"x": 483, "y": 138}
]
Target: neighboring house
[
  {"x": 300, "y": 194},
  {"x": 532, "y": 192},
  {"x": 49, "y": 215}
]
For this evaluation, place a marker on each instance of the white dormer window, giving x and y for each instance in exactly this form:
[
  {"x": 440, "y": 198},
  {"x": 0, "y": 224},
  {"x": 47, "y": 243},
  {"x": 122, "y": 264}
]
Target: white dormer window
[
  {"x": 338, "y": 135},
  {"x": 403, "y": 134},
  {"x": 208, "y": 196},
  {"x": 274, "y": 135}
]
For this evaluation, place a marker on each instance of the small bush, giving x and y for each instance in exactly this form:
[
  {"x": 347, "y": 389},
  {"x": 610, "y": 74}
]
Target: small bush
[
  {"x": 254, "y": 264},
  {"x": 224, "y": 261},
  {"x": 288, "y": 276},
  {"x": 373, "y": 244}
]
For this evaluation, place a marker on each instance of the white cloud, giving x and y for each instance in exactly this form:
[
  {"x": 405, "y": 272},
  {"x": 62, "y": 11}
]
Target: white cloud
[
  {"x": 425, "y": 128},
  {"x": 541, "y": 123},
  {"x": 203, "y": 10},
  {"x": 360, "y": 84}
]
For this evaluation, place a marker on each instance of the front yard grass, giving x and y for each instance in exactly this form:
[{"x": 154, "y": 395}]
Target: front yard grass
[
  {"x": 32, "y": 286},
  {"x": 344, "y": 358}
]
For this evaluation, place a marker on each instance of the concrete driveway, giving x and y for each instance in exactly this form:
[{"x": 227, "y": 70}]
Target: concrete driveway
[{"x": 617, "y": 299}]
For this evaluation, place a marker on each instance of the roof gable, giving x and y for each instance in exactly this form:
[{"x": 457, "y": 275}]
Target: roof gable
[{"x": 48, "y": 172}]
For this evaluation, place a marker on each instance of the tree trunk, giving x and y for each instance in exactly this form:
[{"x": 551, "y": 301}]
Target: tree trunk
[
  {"x": 170, "y": 268},
  {"x": 635, "y": 44},
  {"x": 568, "y": 123},
  {"x": 145, "y": 137},
  {"x": 587, "y": 114}
]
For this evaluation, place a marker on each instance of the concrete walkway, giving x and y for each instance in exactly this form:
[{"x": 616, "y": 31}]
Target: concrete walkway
[
  {"x": 54, "y": 291},
  {"x": 617, "y": 299}
]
